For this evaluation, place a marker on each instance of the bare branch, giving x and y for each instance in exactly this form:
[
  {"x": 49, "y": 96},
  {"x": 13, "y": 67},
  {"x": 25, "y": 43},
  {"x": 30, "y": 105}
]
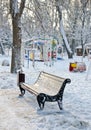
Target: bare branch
[{"x": 22, "y": 5}]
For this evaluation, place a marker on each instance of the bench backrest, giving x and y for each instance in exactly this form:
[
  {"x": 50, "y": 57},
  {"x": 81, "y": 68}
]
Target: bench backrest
[{"x": 48, "y": 83}]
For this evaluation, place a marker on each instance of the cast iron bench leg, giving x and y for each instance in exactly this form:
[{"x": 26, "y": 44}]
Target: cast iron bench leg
[
  {"x": 22, "y": 91},
  {"x": 60, "y": 104}
]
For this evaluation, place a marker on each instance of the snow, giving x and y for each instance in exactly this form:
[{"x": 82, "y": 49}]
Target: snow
[
  {"x": 23, "y": 113},
  {"x": 64, "y": 36}
]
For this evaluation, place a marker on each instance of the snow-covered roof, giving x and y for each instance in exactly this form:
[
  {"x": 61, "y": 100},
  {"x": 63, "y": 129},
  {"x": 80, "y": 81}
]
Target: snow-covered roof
[
  {"x": 88, "y": 45},
  {"x": 78, "y": 47}
]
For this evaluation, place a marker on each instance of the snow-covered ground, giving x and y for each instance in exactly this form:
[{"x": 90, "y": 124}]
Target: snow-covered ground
[{"x": 23, "y": 113}]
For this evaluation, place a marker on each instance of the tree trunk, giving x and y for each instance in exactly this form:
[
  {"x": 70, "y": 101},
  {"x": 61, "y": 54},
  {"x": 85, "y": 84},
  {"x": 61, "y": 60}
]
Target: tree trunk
[
  {"x": 16, "y": 49},
  {"x": 84, "y": 5},
  {"x": 69, "y": 52},
  {"x": 2, "y": 49},
  {"x": 16, "y": 12}
]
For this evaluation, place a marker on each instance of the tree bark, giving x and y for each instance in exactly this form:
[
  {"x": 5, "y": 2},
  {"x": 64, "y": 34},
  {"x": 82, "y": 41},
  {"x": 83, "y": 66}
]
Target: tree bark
[
  {"x": 16, "y": 49},
  {"x": 17, "y": 39}
]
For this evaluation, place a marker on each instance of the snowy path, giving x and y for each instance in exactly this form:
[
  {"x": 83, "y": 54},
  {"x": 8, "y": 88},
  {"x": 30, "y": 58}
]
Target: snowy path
[{"x": 24, "y": 114}]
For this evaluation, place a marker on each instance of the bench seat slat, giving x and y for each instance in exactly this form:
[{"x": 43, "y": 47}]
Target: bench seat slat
[
  {"x": 28, "y": 88},
  {"x": 46, "y": 83}
]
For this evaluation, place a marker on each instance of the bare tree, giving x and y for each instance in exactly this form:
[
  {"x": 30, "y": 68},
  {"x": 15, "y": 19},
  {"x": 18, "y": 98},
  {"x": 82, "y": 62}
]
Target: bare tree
[
  {"x": 83, "y": 18},
  {"x": 58, "y": 6},
  {"x": 16, "y": 10},
  {"x": 74, "y": 23},
  {"x": 77, "y": 21},
  {"x": 4, "y": 26}
]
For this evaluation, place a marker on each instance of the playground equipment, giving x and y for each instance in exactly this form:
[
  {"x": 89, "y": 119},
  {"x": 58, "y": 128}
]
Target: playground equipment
[
  {"x": 77, "y": 67},
  {"x": 46, "y": 50},
  {"x": 34, "y": 52},
  {"x": 50, "y": 51}
]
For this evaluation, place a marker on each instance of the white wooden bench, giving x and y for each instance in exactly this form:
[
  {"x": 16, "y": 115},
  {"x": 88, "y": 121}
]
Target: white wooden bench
[{"x": 47, "y": 87}]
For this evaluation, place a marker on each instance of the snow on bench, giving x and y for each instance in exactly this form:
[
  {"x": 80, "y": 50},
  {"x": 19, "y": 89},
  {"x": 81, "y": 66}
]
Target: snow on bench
[{"x": 48, "y": 87}]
